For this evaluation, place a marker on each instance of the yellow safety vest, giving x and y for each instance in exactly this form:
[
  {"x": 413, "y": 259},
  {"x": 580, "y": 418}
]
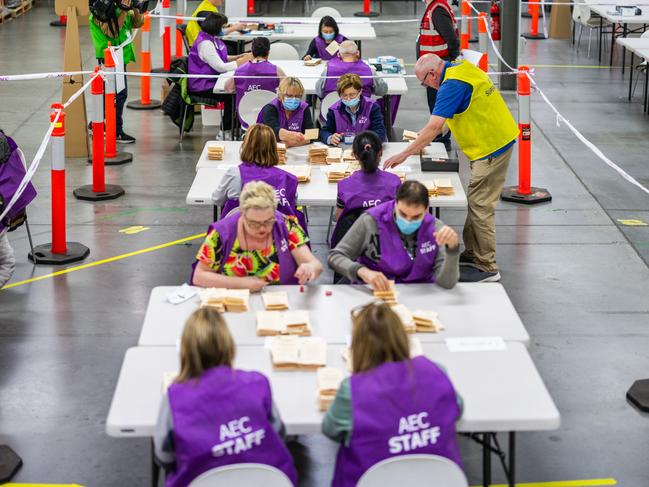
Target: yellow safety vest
[
  {"x": 486, "y": 125},
  {"x": 193, "y": 28}
]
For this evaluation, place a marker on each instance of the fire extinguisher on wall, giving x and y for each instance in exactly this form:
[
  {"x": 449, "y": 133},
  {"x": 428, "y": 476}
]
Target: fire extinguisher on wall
[{"x": 494, "y": 11}]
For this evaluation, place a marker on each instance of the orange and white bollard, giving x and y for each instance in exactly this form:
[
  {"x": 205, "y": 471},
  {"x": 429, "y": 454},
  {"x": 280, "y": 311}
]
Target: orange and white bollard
[
  {"x": 145, "y": 102},
  {"x": 366, "y": 12},
  {"x": 180, "y": 12},
  {"x": 483, "y": 41},
  {"x": 98, "y": 190},
  {"x": 166, "y": 38},
  {"x": 59, "y": 251},
  {"x": 534, "y": 22},
  {"x": 524, "y": 192},
  {"x": 465, "y": 32},
  {"x": 112, "y": 156}
]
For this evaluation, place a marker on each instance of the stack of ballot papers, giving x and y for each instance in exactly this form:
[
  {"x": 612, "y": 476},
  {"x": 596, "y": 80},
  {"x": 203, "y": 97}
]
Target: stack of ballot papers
[
  {"x": 439, "y": 187},
  {"x": 302, "y": 172},
  {"x": 415, "y": 351},
  {"x": 215, "y": 151},
  {"x": 334, "y": 155},
  {"x": 275, "y": 301},
  {"x": 427, "y": 321},
  {"x": 329, "y": 379},
  {"x": 291, "y": 352},
  {"x": 348, "y": 156},
  {"x": 312, "y": 134},
  {"x": 312, "y": 62},
  {"x": 271, "y": 323},
  {"x": 406, "y": 317},
  {"x": 168, "y": 378},
  {"x": 409, "y": 135},
  {"x": 234, "y": 300},
  {"x": 399, "y": 171},
  {"x": 336, "y": 172},
  {"x": 281, "y": 152},
  {"x": 317, "y": 153},
  {"x": 389, "y": 296}
]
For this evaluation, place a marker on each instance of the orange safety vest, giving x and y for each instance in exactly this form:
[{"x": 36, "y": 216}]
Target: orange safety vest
[{"x": 429, "y": 39}]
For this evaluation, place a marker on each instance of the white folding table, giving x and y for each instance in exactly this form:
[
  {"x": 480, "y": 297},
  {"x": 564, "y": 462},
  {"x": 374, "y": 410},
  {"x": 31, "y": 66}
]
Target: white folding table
[{"x": 638, "y": 46}]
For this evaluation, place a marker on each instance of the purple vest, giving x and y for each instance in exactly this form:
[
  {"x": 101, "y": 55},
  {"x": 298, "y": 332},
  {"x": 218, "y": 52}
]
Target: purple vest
[
  {"x": 285, "y": 185},
  {"x": 321, "y": 46},
  {"x": 222, "y": 419},
  {"x": 398, "y": 408},
  {"x": 227, "y": 230},
  {"x": 265, "y": 70},
  {"x": 294, "y": 122},
  {"x": 11, "y": 174},
  {"x": 395, "y": 262},
  {"x": 197, "y": 66},
  {"x": 344, "y": 122},
  {"x": 337, "y": 67},
  {"x": 365, "y": 190}
]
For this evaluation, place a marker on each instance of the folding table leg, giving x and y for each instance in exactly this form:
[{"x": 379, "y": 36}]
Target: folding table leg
[
  {"x": 155, "y": 470},
  {"x": 486, "y": 459},
  {"x": 331, "y": 216},
  {"x": 601, "y": 33},
  {"x": 512, "y": 459},
  {"x": 630, "y": 75},
  {"x": 387, "y": 117},
  {"x": 646, "y": 82},
  {"x": 624, "y": 33},
  {"x": 614, "y": 28}
]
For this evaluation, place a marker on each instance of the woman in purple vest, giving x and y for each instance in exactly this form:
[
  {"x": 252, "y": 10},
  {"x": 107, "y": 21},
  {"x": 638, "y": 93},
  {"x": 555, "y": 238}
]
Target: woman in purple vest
[
  {"x": 256, "y": 74},
  {"x": 287, "y": 114},
  {"x": 259, "y": 163},
  {"x": 352, "y": 114},
  {"x": 399, "y": 240},
  {"x": 391, "y": 405},
  {"x": 209, "y": 55},
  {"x": 255, "y": 246},
  {"x": 241, "y": 424},
  {"x": 327, "y": 32},
  {"x": 364, "y": 189}
]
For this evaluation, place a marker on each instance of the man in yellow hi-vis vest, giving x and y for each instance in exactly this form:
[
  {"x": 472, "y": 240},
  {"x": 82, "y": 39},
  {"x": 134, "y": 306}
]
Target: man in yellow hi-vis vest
[{"x": 472, "y": 107}]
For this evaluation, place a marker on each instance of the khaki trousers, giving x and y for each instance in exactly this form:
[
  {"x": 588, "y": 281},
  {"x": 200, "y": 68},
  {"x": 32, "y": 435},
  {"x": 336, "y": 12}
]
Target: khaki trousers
[{"x": 485, "y": 186}]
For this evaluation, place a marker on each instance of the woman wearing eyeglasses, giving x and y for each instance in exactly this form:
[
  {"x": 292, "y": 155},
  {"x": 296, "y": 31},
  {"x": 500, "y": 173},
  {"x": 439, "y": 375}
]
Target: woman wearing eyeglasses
[
  {"x": 399, "y": 240},
  {"x": 255, "y": 246},
  {"x": 391, "y": 405}
]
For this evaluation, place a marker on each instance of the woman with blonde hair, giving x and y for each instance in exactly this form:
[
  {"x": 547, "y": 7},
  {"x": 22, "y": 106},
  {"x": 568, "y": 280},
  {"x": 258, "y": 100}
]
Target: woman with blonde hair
[
  {"x": 287, "y": 114},
  {"x": 259, "y": 160},
  {"x": 255, "y": 246},
  {"x": 214, "y": 415},
  {"x": 392, "y": 404}
]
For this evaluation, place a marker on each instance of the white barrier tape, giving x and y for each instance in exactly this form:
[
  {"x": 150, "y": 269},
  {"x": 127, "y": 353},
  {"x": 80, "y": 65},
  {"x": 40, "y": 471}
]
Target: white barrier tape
[
  {"x": 250, "y": 20},
  {"x": 493, "y": 43},
  {"x": 80, "y": 92},
  {"x": 25, "y": 77}
]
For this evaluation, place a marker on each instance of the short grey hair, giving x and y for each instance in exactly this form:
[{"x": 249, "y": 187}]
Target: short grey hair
[{"x": 347, "y": 48}]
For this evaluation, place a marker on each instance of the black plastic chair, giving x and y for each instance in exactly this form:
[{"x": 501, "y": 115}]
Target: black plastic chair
[{"x": 182, "y": 28}]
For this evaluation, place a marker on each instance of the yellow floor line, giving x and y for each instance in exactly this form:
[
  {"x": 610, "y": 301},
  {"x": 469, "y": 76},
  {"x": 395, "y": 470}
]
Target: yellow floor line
[
  {"x": 104, "y": 261},
  {"x": 563, "y": 483}
]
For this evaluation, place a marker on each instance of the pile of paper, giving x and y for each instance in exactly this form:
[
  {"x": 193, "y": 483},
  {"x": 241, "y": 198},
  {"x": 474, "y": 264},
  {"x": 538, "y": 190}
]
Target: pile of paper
[
  {"x": 406, "y": 317},
  {"x": 234, "y": 300},
  {"x": 281, "y": 152},
  {"x": 334, "y": 155},
  {"x": 348, "y": 156},
  {"x": 317, "y": 153},
  {"x": 312, "y": 134},
  {"x": 329, "y": 379},
  {"x": 292, "y": 352},
  {"x": 399, "y": 171},
  {"x": 409, "y": 135},
  {"x": 338, "y": 171},
  {"x": 275, "y": 301},
  {"x": 427, "y": 321},
  {"x": 312, "y": 62},
  {"x": 271, "y": 323},
  {"x": 302, "y": 172},
  {"x": 215, "y": 151},
  {"x": 389, "y": 296},
  {"x": 439, "y": 187}
]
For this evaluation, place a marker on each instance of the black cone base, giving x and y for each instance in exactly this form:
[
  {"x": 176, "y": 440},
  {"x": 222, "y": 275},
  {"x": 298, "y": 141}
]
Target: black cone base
[
  {"x": 75, "y": 252},
  {"x": 638, "y": 394},
  {"x": 366, "y": 14},
  {"x": 159, "y": 70},
  {"x": 58, "y": 23},
  {"x": 120, "y": 158},
  {"x": 537, "y": 36},
  {"x": 473, "y": 40},
  {"x": 526, "y": 15},
  {"x": 86, "y": 193},
  {"x": 537, "y": 195},
  {"x": 10, "y": 462},
  {"x": 137, "y": 105}
]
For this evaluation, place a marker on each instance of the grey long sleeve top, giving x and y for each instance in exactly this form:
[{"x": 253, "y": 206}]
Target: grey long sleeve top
[
  {"x": 362, "y": 239},
  {"x": 379, "y": 86}
]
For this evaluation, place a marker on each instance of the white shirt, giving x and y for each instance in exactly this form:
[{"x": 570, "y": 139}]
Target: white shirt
[{"x": 207, "y": 53}]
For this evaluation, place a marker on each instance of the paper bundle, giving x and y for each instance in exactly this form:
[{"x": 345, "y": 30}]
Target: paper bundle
[
  {"x": 409, "y": 135},
  {"x": 213, "y": 298},
  {"x": 313, "y": 62},
  {"x": 275, "y": 300},
  {"x": 234, "y": 300},
  {"x": 406, "y": 317},
  {"x": 338, "y": 171},
  {"x": 334, "y": 155},
  {"x": 271, "y": 323},
  {"x": 427, "y": 321},
  {"x": 348, "y": 156},
  {"x": 302, "y": 172},
  {"x": 329, "y": 379},
  {"x": 215, "y": 151},
  {"x": 389, "y": 296},
  {"x": 281, "y": 152},
  {"x": 399, "y": 171},
  {"x": 317, "y": 153},
  {"x": 292, "y": 352},
  {"x": 439, "y": 187}
]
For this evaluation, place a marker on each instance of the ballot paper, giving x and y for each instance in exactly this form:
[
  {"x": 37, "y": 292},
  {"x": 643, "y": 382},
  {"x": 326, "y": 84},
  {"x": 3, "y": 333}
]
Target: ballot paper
[
  {"x": 336, "y": 172},
  {"x": 312, "y": 134},
  {"x": 233, "y": 300},
  {"x": 476, "y": 344},
  {"x": 277, "y": 300},
  {"x": 293, "y": 352},
  {"x": 409, "y": 135},
  {"x": 332, "y": 48},
  {"x": 427, "y": 321},
  {"x": 281, "y": 152},
  {"x": 389, "y": 296},
  {"x": 435, "y": 150},
  {"x": 294, "y": 322},
  {"x": 302, "y": 172},
  {"x": 329, "y": 379},
  {"x": 312, "y": 62},
  {"x": 181, "y": 294},
  {"x": 317, "y": 153},
  {"x": 215, "y": 151}
]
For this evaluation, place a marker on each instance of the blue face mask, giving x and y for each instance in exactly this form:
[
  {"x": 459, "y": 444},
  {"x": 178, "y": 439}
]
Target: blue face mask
[
  {"x": 291, "y": 104},
  {"x": 328, "y": 37},
  {"x": 408, "y": 227},
  {"x": 351, "y": 103}
]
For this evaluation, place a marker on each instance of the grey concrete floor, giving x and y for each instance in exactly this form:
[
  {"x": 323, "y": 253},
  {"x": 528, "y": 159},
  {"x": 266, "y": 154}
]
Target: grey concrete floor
[{"x": 575, "y": 275}]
